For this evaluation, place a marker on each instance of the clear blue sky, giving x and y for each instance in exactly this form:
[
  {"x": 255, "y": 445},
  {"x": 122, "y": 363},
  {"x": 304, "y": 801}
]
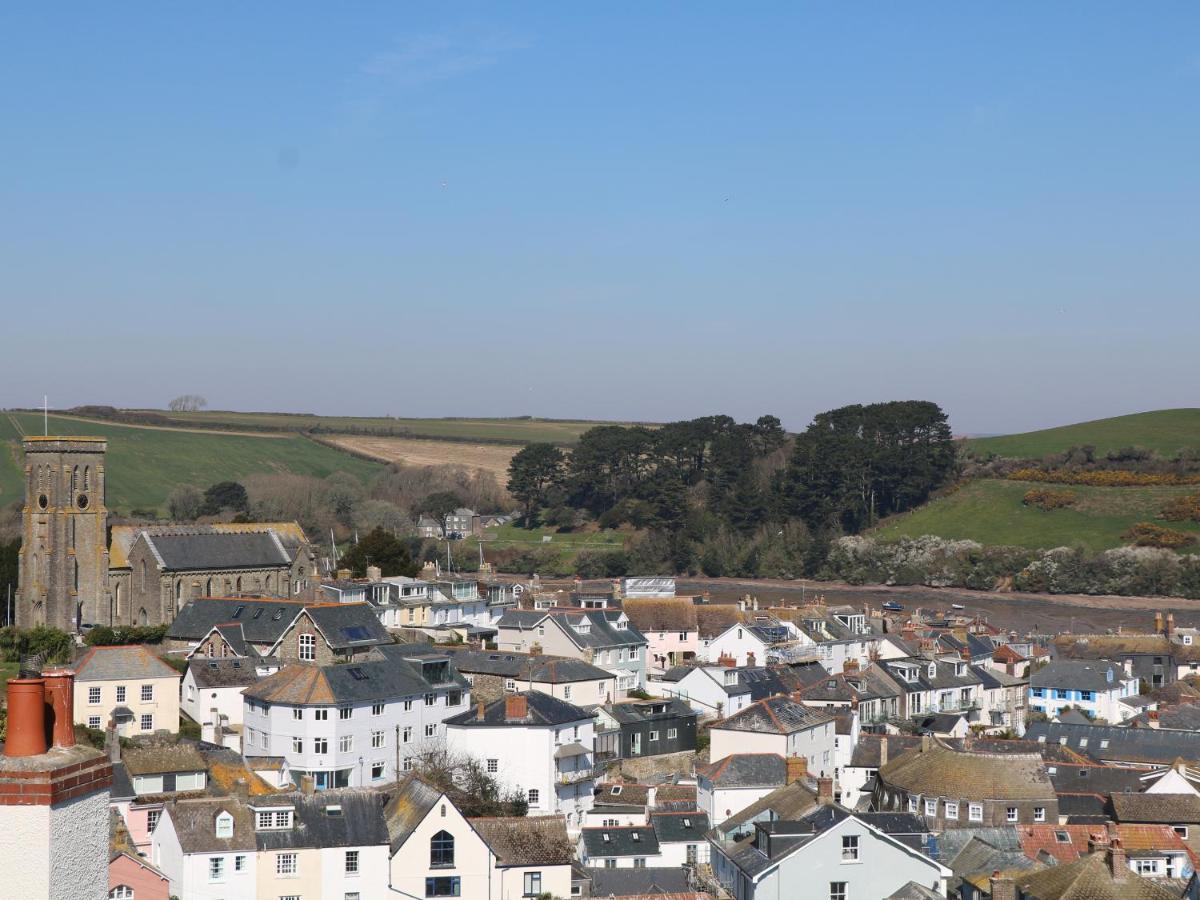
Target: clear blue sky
[{"x": 648, "y": 211}]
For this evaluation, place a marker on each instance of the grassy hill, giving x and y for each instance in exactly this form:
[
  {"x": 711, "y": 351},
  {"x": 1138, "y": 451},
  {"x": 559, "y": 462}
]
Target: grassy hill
[
  {"x": 144, "y": 464},
  {"x": 990, "y": 511},
  {"x": 1164, "y": 430},
  {"x": 514, "y": 431}
]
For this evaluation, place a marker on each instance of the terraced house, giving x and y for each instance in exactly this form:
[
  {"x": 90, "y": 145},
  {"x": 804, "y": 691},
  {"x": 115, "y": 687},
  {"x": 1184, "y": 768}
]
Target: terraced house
[
  {"x": 603, "y": 637},
  {"x": 1094, "y": 686},
  {"x": 351, "y": 725}
]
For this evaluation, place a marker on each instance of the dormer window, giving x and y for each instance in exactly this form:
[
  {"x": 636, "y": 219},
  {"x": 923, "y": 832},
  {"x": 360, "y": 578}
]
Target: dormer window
[
  {"x": 933, "y": 670},
  {"x": 621, "y": 624},
  {"x": 224, "y": 825},
  {"x": 272, "y": 819}
]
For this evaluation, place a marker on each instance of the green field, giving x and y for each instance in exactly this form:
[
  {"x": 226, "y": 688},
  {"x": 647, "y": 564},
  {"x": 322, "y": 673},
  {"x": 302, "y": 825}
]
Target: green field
[
  {"x": 515, "y": 536},
  {"x": 513, "y": 431},
  {"x": 1164, "y": 430},
  {"x": 144, "y": 464},
  {"x": 990, "y": 511}
]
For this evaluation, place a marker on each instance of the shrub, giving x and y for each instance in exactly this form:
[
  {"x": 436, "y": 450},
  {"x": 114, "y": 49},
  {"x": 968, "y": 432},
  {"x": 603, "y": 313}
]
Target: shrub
[
  {"x": 103, "y": 636},
  {"x": 1181, "y": 509},
  {"x": 1102, "y": 477},
  {"x": 1149, "y": 534},
  {"x": 1044, "y": 498}
]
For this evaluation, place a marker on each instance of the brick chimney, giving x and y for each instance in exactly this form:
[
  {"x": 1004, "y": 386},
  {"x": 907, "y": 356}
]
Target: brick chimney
[
  {"x": 516, "y": 707},
  {"x": 1170, "y": 624},
  {"x": 1117, "y": 862},
  {"x": 883, "y": 750},
  {"x": 480, "y": 709},
  {"x": 824, "y": 790},
  {"x": 308, "y": 785},
  {"x": 26, "y": 717},
  {"x": 1002, "y": 888},
  {"x": 797, "y": 768},
  {"x": 750, "y": 659},
  {"x": 727, "y": 661},
  {"x": 850, "y": 667},
  {"x": 1158, "y": 623}
]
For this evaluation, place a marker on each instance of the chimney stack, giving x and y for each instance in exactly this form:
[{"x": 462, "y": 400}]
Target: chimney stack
[
  {"x": 825, "y": 790},
  {"x": 308, "y": 785},
  {"x": 374, "y": 573},
  {"x": 1002, "y": 888},
  {"x": 1170, "y": 624},
  {"x": 1117, "y": 861},
  {"x": 797, "y": 768},
  {"x": 727, "y": 661},
  {"x": 926, "y": 743},
  {"x": 26, "y": 717},
  {"x": 535, "y": 649},
  {"x": 883, "y": 751},
  {"x": 60, "y": 707},
  {"x": 516, "y": 706},
  {"x": 480, "y": 709},
  {"x": 850, "y": 667},
  {"x": 1158, "y": 623},
  {"x": 750, "y": 659},
  {"x": 343, "y": 574}
]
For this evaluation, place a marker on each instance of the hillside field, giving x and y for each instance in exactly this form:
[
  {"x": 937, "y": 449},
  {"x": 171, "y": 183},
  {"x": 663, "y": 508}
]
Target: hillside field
[
  {"x": 144, "y": 464},
  {"x": 491, "y": 458},
  {"x": 990, "y": 511},
  {"x": 1163, "y": 430},
  {"x": 511, "y": 431}
]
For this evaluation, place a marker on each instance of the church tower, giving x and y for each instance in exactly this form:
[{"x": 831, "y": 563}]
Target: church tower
[{"x": 64, "y": 545}]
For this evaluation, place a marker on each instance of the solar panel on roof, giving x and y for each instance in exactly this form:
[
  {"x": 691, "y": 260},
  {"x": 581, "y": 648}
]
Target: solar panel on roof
[{"x": 356, "y": 633}]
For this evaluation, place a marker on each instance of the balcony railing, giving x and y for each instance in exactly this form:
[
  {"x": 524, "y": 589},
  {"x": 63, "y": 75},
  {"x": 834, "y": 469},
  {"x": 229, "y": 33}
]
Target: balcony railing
[{"x": 574, "y": 776}]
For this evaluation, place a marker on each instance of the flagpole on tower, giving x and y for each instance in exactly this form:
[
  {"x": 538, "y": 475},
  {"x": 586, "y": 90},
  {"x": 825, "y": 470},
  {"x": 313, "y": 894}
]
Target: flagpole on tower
[{"x": 45, "y": 415}]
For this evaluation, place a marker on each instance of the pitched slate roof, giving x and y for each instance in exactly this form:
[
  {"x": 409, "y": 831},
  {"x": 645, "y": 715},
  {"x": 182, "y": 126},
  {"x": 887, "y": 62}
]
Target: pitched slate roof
[
  {"x": 636, "y": 711},
  {"x": 524, "y": 667},
  {"x": 741, "y": 770},
  {"x": 650, "y": 882},
  {"x": 121, "y": 540},
  {"x": 161, "y": 759},
  {"x": 195, "y": 824},
  {"x": 1111, "y": 742},
  {"x": 1088, "y": 878},
  {"x": 344, "y": 817},
  {"x": 939, "y": 771},
  {"x": 190, "y": 552},
  {"x": 1096, "y": 778},
  {"x": 630, "y": 840},
  {"x": 1184, "y": 717},
  {"x": 348, "y": 625},
  {"x": 1156, "y": 808},
  {"x": 914, "y": 891},
  {"x": 526, "y": 840},
  {"x": 222, "y": 673},
  {"x": 114, "y": 663},
  {"x": 788, "y": 802},
  {"x": 627, "y": 794},
  {"x": 407, "y": 807},
  {"x": 869, "y": 749},
  {"x": 679, "y": 826},
  {"x": 775, "y": 715},
  {"x": 542, "y": 710},
  {"x": 262, "y": 621},
  {"x": 1079, "y": 675},
  {"x": 368, "y": 681}
]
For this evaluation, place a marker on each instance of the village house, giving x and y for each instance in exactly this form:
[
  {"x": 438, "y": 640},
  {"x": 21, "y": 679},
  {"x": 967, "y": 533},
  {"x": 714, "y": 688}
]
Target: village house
[
  {"x": 680, "y": 835},
  {"x": 604, "y": 637},
  {"x": 1144, "y": 748},
  {"x": 1095, "y": 687},
  {"x": 536, "y": 743},
  {"x": 944, "y": 685},
  {"x": 955, "y": 788},
  {"x": 752, "y": 642},
  {"x": 671, "y": 630},
  {"x": 438, "y": 852},
  {"x": 781, "y": 726},
  {"x": 1155, "y": 851},
  {"x": 350, "y": 725},
  {"x": 212, "y": 694},
  {"x": 634, "y": 728},
  {"x": 627, "y": 847},
  {"x": 871, "y": 751},
  {"x": 732, "y": 783},
  {"x": 1156, "y": 658},
  {"x": 833, "y": 852},
  {"x": 709, "y": 690},
  {"x": 492, "y": 673},
  {"x": 128, "y": 685},
  {"x": 131, "y": 877}
]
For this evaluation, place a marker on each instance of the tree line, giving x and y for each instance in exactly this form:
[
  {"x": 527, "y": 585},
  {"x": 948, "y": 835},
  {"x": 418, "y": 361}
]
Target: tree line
[{"x": 729, "y": 498}]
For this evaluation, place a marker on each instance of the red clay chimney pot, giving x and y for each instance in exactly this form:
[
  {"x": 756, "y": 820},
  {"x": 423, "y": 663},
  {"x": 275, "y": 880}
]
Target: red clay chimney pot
[{"x": 26, "y": 717}]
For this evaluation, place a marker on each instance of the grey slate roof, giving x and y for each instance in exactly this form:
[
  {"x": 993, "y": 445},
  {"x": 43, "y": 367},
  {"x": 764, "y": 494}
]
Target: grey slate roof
[
  {"x": 788, "y": 802},
  {"x": 348, "y": 625},
  {"x": 128, "y": 662},
  {"x": 1096, "y": 779},
  {"x": 262, "y": 621},
  {"x": 523, "y": 667},
  {"x": 407, "y": 807},
  {"x": 359, "y": 822},
  {"x": 160, "y": 759},
  {"x": 1079, "y": 675},
  {"x": 914, "y": 891},
  {"x": 1112, "y": 742},
  {"x": 526, "y": 840},
  {"x": 648, "y": 882},
  {"x": 742, "y": 770},
  {"x": 220, "y": 550},
  {"x": 637, "y": 840},
  {"x": 380, "y": 678},
  {"x": 775, "y": 715},
  {"x": 686, "y": 827},
  {"x": 195, "y": 825},
  {"x": 222, "y": 673},
  {"x": 636, "y": 711},
  {"x": 235, "y": 636},
  {"x": 1165, "y": 809},
  {"x": 543, "y": 710},
  {"x": 122, "y": 785}
]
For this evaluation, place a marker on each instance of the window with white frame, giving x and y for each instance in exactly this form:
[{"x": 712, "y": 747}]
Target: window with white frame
[
  {"x": 351, "y": 862},
  {"x": 535, "y": 797},
  {"x": 320, "y": 745},
  {"x": 93, "y": 696},
  {"x": 224, "y": 825},
  {"x": 431, "y": 730},
  {"x": 121, "y": 693},
  {"x": 951, "y": 809},
  {"x": 931, "y": 807},
  {"x": 346, "y": 743},
  {"x": 1146, "y": 866},
  {"x": 975, "y": 812},
  {"x": 1039, "y": 814},
  {"x": 297, "y": 745},
  {"x": 408, "y": 705},
  {"x": 307, "y": 647},
  {"x": 321, "y": 715},
  {"x": 147, "y": 722},
  {"x": 566, "y": 696},
  {"x": 912, "y": 804},
  {"x": 406, "y": 734},
  {"x": 1011, "y": 814},
  {"x": 493, "y": 766},
  {"x": 147, "y": 693},
  {"x": 93, "y": 721},
  {"x": 654, "y": 735},
  {"x": 377, "y": 709},
  {"x": 216, "y": 868},
  {"x": 533, "y": 884},
  {"x": 671, "y": 733},
  {"x": 152, "y": 818},
  {"x": 850, "y": 848},
  {"x": 837, "y": 890},
  {"x": 377, "y": 770},
  {"x": 285, "y": 864},
  {"x": 297, "y": 713},
  {"x": 377, "y": 739},
  {"x": 430, "y": 699},
  {"x": 121, "y": 892},
  {"x": 239, "y": 863}
]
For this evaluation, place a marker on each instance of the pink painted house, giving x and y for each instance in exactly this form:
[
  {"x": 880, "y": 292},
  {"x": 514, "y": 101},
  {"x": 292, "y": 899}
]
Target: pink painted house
[
  {"x": 670, "y": 628},
  {"x": 132, "y": 878}
]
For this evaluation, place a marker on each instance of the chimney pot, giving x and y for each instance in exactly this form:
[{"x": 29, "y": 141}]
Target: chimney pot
[
  {"x": 307, "y": 785},
  {"x": 1170, "y": 624},
  {"x": 374, "y": 573},
  {"x": 26, "y": 717},
  {"x": 516, "y": 706},
  {"x": 60, "y": 703},
  {"x": 1158, "y": 623},
  {"x": 1117, "y": 860},
  {"x": 1002, "y": 888}
]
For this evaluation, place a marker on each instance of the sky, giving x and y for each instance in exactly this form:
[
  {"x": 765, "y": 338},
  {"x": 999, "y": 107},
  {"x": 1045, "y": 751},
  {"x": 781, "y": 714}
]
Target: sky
[{"x": 617, "y": 211}]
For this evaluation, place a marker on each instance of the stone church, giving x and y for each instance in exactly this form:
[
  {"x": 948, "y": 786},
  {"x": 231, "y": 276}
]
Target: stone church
[{"x": 73, "y": 573}]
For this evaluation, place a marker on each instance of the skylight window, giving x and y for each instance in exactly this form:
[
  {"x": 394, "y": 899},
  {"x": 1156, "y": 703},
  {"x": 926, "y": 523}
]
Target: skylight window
[
  {"x": 258, "y": 612},
  {"x": 357, "y": 674},
  {"x": 1062, "y": 837},
  {"x": 238, "y": 612},
  {"x": 616, "y": 791}
]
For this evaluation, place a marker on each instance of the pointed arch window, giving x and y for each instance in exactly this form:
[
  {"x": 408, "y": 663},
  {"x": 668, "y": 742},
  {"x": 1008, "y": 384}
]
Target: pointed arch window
[{"x": 441, "y": 850}]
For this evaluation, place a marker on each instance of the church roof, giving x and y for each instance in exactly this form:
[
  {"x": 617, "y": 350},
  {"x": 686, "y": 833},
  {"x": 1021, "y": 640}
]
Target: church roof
[
  {"x": 201, "y": 551},
  {"x": 290, "y": 534}
]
